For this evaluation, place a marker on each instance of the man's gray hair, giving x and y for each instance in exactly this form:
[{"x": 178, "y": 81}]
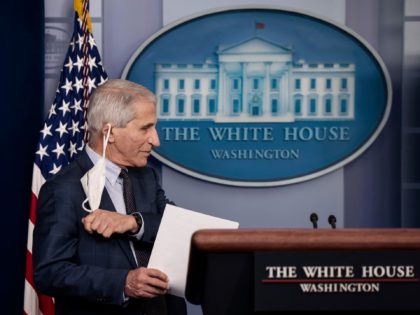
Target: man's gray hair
[{"x": 112, "y": 103}]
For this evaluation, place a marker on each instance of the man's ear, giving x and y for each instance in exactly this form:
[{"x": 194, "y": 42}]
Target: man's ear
[{"x": 105, "y": 129}]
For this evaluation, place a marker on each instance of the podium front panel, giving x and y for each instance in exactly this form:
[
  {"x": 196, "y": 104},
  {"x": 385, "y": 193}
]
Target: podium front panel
[{"x": 337, "y": 280}]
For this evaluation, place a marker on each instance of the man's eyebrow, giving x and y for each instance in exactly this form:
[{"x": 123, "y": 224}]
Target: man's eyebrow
[{"x": 148, "y": 125}]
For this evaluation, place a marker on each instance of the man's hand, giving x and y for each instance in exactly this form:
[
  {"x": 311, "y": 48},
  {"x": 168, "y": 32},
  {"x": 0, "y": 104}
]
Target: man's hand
[
  {"x": 108, "y": 222},
  {"x": 145, "y": 283}
]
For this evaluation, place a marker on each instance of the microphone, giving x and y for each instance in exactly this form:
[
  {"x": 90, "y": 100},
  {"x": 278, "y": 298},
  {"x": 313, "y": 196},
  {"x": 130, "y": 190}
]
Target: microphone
[
  {"x": 314, "y": 220},
  {"x": 332, "y": 220}
]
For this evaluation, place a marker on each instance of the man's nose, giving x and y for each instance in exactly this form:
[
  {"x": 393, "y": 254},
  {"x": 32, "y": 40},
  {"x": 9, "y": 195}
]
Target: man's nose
[{"x": 154, "y": 138}]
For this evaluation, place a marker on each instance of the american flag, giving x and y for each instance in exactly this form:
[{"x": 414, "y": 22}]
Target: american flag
[
  {"x": 63, "y": 135},
  {"x": 259, "y": 25}
]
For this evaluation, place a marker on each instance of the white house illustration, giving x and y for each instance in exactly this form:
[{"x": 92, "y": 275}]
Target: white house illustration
[{"x": 255, "y": 81}]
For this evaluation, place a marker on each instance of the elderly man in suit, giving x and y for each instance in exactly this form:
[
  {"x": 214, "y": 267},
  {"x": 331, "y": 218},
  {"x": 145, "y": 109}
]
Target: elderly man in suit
[{"x": 92, "y": 262}]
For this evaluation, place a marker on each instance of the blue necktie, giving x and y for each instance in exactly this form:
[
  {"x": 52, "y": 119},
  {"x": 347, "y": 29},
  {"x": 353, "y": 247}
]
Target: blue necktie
[{"x": 155, "y": 306}]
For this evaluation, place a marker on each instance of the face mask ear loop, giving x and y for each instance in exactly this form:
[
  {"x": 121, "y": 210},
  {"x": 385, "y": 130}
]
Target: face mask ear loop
[
  {"x": 105, "y": 143},
  {"x": 84, "y": 206}
]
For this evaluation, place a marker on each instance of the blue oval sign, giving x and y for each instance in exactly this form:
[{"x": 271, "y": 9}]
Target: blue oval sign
[{"x": 262, "y": 96}]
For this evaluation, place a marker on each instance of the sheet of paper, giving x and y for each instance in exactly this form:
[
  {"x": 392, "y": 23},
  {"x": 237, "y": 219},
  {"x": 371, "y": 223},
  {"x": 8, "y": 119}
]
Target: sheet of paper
[{"x": 171, "y": 250}]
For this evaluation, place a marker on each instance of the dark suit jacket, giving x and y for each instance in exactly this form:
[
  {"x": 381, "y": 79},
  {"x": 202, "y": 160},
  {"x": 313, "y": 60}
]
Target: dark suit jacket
[{"x": 85, "y": 272}]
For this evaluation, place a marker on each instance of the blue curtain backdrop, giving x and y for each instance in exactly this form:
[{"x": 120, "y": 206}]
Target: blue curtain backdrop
[{"x": 21, "y": 114}]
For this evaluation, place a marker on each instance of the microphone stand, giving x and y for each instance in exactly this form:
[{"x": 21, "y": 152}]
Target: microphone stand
[
  {"x": 314, "y": 220},
  {"x": 332, "y": 220}
]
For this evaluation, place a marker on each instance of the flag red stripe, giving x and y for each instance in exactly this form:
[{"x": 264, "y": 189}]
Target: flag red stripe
[
  {"x": 259, "y": 25},
  {"x": 46, "y": 304},
  {"x": 32, "y": 211},
  {"x": 29, "y": 273}
]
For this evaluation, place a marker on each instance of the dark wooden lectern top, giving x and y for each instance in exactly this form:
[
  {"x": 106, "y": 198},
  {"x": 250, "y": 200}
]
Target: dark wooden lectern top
[{"x": 244, "y": 240}]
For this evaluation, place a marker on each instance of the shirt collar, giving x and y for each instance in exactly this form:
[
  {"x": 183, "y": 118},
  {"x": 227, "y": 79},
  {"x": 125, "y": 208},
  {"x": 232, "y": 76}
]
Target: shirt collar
[{"x": 112, "y": 170}]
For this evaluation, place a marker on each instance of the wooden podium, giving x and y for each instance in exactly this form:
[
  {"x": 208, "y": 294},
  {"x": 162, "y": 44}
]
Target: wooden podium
[{"x": 265, "y": 271}]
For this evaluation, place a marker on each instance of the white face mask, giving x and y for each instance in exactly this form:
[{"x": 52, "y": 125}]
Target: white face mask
[{"x": 93, "y": 182}]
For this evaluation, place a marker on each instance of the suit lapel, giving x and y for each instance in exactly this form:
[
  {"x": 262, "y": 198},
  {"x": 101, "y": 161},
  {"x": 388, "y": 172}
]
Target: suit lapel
[
  {"x": 106, "y": 203},
  {"x": 84, "y": 162}
]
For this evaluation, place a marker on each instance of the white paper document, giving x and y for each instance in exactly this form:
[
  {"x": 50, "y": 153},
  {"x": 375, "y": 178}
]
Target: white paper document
[{"x": 171, "y": 250}]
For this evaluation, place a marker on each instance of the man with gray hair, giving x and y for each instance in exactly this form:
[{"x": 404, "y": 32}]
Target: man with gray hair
[{"x": 95, "y": 261}]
